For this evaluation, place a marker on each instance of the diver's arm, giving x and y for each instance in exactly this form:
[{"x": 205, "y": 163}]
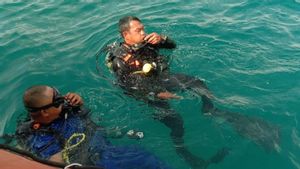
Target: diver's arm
[
  {"x": 160, "y": 41},
  {"x": 166, "y": 42},
  {"x": 74, "y": 99}
]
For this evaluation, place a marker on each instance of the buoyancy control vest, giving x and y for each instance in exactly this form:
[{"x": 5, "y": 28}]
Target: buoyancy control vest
[{"x": 141, "y": 59}]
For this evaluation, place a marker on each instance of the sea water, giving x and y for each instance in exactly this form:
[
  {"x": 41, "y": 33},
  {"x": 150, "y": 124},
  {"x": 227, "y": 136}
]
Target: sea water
[{"x": 247, "y": 51}]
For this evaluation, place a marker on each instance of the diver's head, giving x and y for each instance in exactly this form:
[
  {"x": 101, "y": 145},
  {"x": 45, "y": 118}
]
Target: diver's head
[
  {"x": 43, "y": 103},
  {"x": 132, "y": 30}
]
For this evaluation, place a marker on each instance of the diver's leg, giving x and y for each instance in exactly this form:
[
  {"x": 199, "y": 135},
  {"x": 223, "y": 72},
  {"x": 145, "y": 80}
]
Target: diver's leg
[
  {"x": 129, "y": 157},
  {"x": 242, "y": 124},
  {"x": 186, "y": 82},
  {"x": 207, "y": 105},
  {"x": 183, "y": 82},
  {"x": 169, "y": 117},
  {"x": 174, "y": 121}
]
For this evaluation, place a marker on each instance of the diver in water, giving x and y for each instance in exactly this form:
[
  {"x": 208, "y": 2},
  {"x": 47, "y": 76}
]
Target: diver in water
[
  {"x": 60, "y": 131},
  {"x": 143, "y": 73}
]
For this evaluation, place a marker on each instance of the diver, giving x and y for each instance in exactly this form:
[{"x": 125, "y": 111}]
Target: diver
[
  {"x": 143, "y": 73},
  {"x": 60, "y": 130}
]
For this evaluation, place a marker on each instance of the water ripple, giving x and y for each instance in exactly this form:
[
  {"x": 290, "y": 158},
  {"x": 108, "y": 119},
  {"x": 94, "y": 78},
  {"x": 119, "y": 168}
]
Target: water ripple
[{"x": 247, "y": 52}]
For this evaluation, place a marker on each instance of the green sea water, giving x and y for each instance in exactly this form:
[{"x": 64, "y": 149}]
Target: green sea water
[{"x": 247, "y": 51}]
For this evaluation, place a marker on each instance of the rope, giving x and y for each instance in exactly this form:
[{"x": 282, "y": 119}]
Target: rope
[{"x": 68, "y": 146}]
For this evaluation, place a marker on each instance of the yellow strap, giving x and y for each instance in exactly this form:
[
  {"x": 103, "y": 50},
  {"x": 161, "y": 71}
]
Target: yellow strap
[
  {"x": 138, "y": 72},
  {"x": 68, "y": 147}
]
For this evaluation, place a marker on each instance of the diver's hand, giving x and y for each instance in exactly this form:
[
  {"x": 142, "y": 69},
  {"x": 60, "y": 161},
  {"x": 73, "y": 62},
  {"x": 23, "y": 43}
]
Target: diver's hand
[
  {"x": 168, "y": 95},
  {"x": 153, "y": 38},
  {"x": 74, "y": 99}
]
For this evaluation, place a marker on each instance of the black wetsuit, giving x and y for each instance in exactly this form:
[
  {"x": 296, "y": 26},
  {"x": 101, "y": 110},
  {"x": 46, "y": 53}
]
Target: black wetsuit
[{"x": 125, "y": 61}]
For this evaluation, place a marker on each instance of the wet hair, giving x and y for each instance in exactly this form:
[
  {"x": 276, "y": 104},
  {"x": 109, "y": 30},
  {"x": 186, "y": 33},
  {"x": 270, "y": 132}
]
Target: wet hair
[
  {"x": 34, "y": 95},
  {"x": 124, "y": 23}
]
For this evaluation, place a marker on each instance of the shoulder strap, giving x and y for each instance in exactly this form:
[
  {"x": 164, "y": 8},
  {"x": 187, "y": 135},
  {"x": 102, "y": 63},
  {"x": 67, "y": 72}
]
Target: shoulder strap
[{"x": 116, "y": 50}]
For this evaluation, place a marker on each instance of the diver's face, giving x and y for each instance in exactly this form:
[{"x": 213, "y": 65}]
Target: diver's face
[
  {"x": 135, "y": 34},
  {"x": 50, "y": 114}
]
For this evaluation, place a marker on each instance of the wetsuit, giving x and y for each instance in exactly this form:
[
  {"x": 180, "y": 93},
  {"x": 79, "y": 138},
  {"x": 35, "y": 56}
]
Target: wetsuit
[
  {"x": 94, "y": 149},
  {"x": 126, "y": 60}
]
